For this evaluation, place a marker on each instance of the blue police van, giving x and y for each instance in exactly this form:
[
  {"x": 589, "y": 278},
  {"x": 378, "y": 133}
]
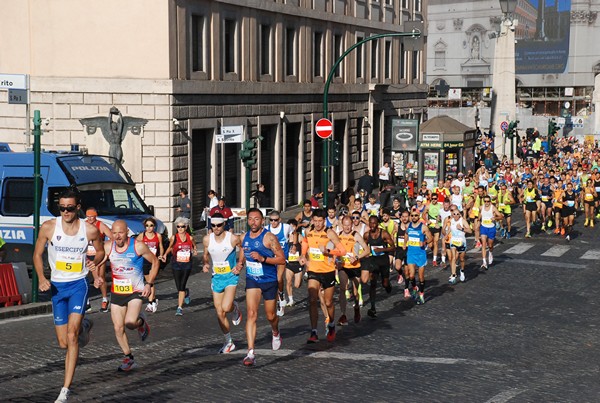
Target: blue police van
[{"x": 101, "y": 181}]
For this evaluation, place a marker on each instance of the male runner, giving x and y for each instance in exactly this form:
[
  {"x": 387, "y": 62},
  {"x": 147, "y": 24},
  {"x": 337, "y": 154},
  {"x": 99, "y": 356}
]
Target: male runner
[
  {"x": 487, "y": 231},
  {"x": 400, "y": 254},
  {"x": 126, "y": 256},
  {"x": 415, "y": 240},
  {"x": 378, "y": 265},
  {"x": 67, "y": 239},
  {"x": 219, "y": 247},
  {"x": 262, "y": 253},
  {"x": 431, "y": 215},
  {"x": 282, "y": 232},
  {"x": 91, "y": 216}
]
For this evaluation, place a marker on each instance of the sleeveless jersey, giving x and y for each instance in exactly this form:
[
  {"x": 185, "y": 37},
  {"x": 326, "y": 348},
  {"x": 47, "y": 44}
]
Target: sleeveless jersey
[
  {"x": 127, "y": 269},
  {"x": 570, "y": 199},
  {"x": 376, "y": 242},
  {"x": 400, "y": 237},
  {"x": 317, "y": 261},
  {"x": 67, "y": 254},
  {"x": 415, "y": 238},
  {"x": 530, "y": 195},
  {"x": 281, "y": 233},
  {"x": 487, "y": 217},
  {"x": 546, "y": 193},
  {"x": 91, "y": 251},
  {"x": 222, "y": 254},
  {"x": 182, "y": 253},
  {"x": 352, "y": 249},
  {"x": 457, "y": 200},
  {"x": 445, "y": 214},
  {"x": 152, "y": 243},
  {"x": 457, "y": 237},
  {"x": 433, "y": 213},
  {"x": 389, "y": 226},
  {"x": 503, "y": 200},
  {"x": 259, "y": 272}
]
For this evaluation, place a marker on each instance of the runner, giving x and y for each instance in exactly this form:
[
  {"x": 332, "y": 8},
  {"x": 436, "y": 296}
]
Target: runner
[
  {"x": 415, "y": 240},
  {"x": 505, "y": 201},
  {"x": 67, "y": 239},
  {"x": 545, "y": 203},
  {"x": 219, "y": 253},
  {"x": 557, "y": 206},
  {"x": 154, "y": 242},
  {"x": 568, "y": 211},
  {"x": 91, "y": 215},
  {"x": 126, "y": 256},
  {"x": 589, "y": 199},
  {"x": 400, "y": 254},
  {"x": 332, "y": 220},
  {"x": 474, "y": 208},
  {"x": 431, "y": 215},
  {"x": 282, "y": 232},
  {"x": 293, "y": 273},
  {"x": 489, "y": 214},
  {"x": 349, "y": 267},
  {"x": 319, "y": 244},
  {"x": 262, "y": 253},
  {"x": 304, "y": 217},
  {"x": 455, "y": 228},
  {"x": 372, "y": 206},
  {"x": 380, "y": 243},
  {"x": 183, "y": 247},
  {"x": 357, "y": 224},
  {"x": 446, "y": 212},
  {"x": 529, "y": 198}
]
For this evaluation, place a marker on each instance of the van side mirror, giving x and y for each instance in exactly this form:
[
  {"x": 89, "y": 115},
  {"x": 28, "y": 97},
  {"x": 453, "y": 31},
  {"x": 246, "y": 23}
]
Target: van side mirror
[{"x": 151, "y": 208}]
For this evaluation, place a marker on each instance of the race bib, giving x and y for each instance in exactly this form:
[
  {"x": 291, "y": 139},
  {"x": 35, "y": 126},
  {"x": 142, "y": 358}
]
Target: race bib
[
  {"x": 375, "y": 251},
  {"x": 597, "y": 189},
  {"x": 456, "y": 242},
  {"x": 570, "y": 203},
  {"x": 316, "y": 255},
  {"x": 293, "y": 257},
  {"x": 501, "y": 205},
  {"x": 69, "y": 267},
  {"x": 544, "y": 198},
  {"x": 487, "y": 221},
  {"x": 122, "y": 286},
  {"x": 529, "y": 200},
  {"x": 153, "y": 249},
  {"x": 414, "y": 242},
  {"x": 254, "y": 269},
  {"x": 183, "y": 256},
  {"x": 91, "y": 251},
  {"x": 373, "y": 212},
  {"x": 400, "y": 242},
  {"x": 347, "y": 258},
  {"x": 221, "y": 267},
  {"x": 589, "y": 197}
]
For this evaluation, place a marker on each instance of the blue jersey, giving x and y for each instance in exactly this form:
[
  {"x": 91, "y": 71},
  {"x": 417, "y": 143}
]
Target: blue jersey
[
  {"x": 415, "y": 254},
  {"x": 127, "y": 269},
  {"x": 282, "y": 237},
  {"x": 259, "y": 272}
]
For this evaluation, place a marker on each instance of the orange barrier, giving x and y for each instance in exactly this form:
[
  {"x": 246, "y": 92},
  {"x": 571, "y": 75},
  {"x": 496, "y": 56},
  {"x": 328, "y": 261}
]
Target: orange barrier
[{"x": 9, "y": 291}]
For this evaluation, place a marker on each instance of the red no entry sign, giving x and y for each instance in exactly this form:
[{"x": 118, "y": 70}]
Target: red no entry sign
[{"x": 324, "y": 128}]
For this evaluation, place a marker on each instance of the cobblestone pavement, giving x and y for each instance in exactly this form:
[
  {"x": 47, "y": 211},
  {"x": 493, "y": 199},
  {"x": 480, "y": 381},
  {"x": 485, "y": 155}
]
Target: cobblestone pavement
[{"x": 526, "y": 330}]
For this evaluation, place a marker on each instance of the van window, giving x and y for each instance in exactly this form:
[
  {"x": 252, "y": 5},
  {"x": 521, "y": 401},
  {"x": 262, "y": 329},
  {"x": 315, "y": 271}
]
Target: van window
[
  {"x": 117, "y": 201},
  {"x": 17, "y": 197}
]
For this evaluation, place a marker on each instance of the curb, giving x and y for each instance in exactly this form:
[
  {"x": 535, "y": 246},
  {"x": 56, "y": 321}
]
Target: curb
[{"x": 37, "y": 308}]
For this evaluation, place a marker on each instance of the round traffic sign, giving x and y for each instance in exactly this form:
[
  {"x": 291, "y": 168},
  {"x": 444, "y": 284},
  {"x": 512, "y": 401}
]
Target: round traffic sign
[
  {"x": 504, "y": 126},
  {"x": 324, "y": 128}
]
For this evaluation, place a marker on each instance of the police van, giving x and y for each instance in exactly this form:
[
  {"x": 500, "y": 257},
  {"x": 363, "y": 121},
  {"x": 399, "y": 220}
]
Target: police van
[{"x": 101, "y": 182}]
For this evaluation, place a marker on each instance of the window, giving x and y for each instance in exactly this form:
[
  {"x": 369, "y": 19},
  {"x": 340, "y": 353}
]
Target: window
[
  {"x": 338, "y": 49},
  {"x": 359, "y": 138},
  {"x": 388, "y": 60},
  {"x": 318, "y": 55},
  {"x": 265, "y": 46},
  {"x": 403, "y": 56},
  {"x": 415, "y": 65},
  {"x": 440, "y": 58},
  {"x": 359, "y": 58},
  {"x": 374, "y": 59},
  {"x": 199, "y": 42},
  {"x": 290, "y": 52},
  {"x": 405, "y": 4},
  {"x": 230, "y": 46},
  {"x": 417, "y": 5},
  {"x": 17, "y": 197}
]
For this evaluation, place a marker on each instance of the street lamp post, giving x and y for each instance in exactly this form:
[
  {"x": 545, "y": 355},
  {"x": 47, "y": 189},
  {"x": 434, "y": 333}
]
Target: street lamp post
[{"x": 503, "y": 79}]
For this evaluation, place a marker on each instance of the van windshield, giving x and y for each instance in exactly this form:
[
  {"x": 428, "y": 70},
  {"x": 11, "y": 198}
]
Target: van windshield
[{"x": 116, "y": 201}]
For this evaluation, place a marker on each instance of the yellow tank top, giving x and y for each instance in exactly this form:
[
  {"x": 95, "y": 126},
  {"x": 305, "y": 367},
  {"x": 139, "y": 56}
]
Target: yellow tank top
[{"x": 317, "y": 261}]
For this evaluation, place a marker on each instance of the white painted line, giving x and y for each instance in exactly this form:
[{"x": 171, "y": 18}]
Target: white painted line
[
  {"x": 505, "y": 396},
  {"x": 591, "y": 255},
  {"x": 23, "y": 318},
  {"x": 538, "y": 263},
  {"x": 556, "y": 251},
  {"x": 519, "y": 248}
]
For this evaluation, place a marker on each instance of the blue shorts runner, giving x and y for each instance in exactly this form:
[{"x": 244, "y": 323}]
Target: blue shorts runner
[
  {"x": 221, "y": 281},
  {"x": 67, "y": 298},
  {"x": 269, "y": 289},
  {"x": 489, "y": 232}
]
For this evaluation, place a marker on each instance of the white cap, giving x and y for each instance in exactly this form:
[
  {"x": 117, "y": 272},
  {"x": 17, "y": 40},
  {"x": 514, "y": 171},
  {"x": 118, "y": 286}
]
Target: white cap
[{"x": 420, "y": 198}]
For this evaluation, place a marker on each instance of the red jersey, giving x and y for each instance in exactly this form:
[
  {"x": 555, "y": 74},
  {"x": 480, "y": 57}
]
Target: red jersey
[{"x": 152, "y": 243}]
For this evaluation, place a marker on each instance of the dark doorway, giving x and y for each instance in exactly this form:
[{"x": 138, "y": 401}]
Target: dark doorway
[
  {"x": 232, "y": 169},
  {"x": 200, "y": 173},
  {"x": 377, "y": 146},
  {"x": 292, "y": 198},
  {"x": 317, "y": 158},
  {"x": 267, "y": 160},
  {"x": 339, "y": 129}
]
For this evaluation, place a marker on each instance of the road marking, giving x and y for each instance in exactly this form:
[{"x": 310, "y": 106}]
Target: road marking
[
  {"x": 365, "y": 357},
  {"x": 538, "y": 263},
  {"x": 519, "y": 249},
  {"x": 591, "y": 255},
  {"x": 505, "y": 396},
  {"x": 556, "y": 251}
]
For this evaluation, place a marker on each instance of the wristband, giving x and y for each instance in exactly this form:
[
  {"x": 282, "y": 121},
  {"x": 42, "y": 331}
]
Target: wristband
[
  {"x": 150, "y": 284},
  {"x": 264, "y": 259}
]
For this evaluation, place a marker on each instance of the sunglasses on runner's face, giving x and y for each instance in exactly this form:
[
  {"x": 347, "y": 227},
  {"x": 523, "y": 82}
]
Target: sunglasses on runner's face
[
  {"x": 70, "y": 209},
  {"x": 356, "y": 217},
  {"x": 414, "y": 215},
  {"x": 219, "y": 225},
  {"x": 181, "y": 226},
  {"x": 149, "y": 225},
  {"x": 274, "y": 219}
]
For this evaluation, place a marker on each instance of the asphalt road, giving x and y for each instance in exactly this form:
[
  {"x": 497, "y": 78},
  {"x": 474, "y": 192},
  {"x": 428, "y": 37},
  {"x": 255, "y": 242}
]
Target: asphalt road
[{"x": 526, "y": 330}]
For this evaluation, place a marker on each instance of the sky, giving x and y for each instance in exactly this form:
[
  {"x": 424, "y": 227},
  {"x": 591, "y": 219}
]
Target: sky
[{"x": 563, "y": 5}]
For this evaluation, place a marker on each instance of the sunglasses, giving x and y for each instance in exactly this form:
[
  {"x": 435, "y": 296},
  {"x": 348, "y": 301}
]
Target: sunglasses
[
  {"x": 90, "y": 216},
  {"x": 219, "y": 225},
  {"x": 70, "y": 209},
  {"x": 356, "y": 217},
  {"x": 456, "y": 214},
  {"x": 275, "y": 219},
  {"x": 149, "y": 225},
  {"x": 414, "y": 215},
  {"x": 181, "y": 226}
]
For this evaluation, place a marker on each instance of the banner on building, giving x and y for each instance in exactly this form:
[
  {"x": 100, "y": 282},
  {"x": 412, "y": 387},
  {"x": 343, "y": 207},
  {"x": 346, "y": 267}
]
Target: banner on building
[{"x": 405, "y": 133}]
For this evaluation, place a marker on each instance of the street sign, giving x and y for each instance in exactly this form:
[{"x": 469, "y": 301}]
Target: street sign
[
  {"x": 17, "y": 96},
  {"x": 18, "y": 81},
  {"x": 504, "y": 126},
  {"x": 230, "y": 134},
  {"x": 324, "y": 128}
]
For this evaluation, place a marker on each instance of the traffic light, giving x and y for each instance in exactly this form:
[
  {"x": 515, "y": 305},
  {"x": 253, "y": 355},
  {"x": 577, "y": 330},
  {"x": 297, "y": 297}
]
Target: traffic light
[
  {"x": 511, "y": 131},
  {"x": 248, "y": 153},
  {"x": 335, "y": 153},
  {"x": 552, "y": 128}
]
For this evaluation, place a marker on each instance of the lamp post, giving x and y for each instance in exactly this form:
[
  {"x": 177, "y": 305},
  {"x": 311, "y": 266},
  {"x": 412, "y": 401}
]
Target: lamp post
[{"x": 503, "y": 78}]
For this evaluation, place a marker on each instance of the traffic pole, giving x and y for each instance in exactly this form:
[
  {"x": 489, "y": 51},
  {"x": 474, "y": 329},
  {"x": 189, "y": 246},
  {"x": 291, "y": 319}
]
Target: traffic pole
[{"x": 37, "y": 181}]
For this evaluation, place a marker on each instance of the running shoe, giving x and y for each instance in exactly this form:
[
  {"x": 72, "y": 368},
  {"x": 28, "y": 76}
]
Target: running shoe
[
  {"x": 149, "y": 307},
  {"x": 478, "y": 245},
  {"x": 249, "y": 360},
  {"x": 144, "y": 330},
  {"x": 179, "y": 311},
  {"x": 84, "y": 333},
  {"x": 342, "y": 321},
  {"x": 421, "y": 299},
  {"x": 105, "y": 306},
  {"x": 356, "y": 314},
  {"x": 591, "y": 223},
  {"x": 452, "y": 280},
  {"x": 280, "y": 308},
  {"x": 331, "y": 334},
  {"x": 406, "y": 293},
  {"x": 502, "y": 233},
  {"x": 484, "y": 267},
  {"x": 290, "y": 302},
  {"x": 237, "y": 314},
  {"x": 337, "y": 278},
  {"x": 562, "y": 231},
  {"x": 414, "y": 293},
  {"x": 372, "y": 313},
  {"x": 347, "y": 294},
  {"x": 556, "y": 231},
  {"x": 276, "y": 343},
  {"x": 63, "y": 396},
  {"x": 435, "y": 263},
  {"x": 528, "y": 235},
  {"x": 543, "y": 227},
  {"x": 155, "y": 306},
  {"x": 490, "y": 257},
  {"x": 227, "y": 348},
  {"x": 187, "y": 298},
  {"x": 550, "y": 222},
  {"x": 313, "y": 338},
  {"x": 462, "y": 276},
  {"x": 507, "y": 234},
  {"x": 586, "y": 222},
  {"x": 568, "y": 237},
  {"x": 127, "y": 365},
  {"x": 88, "y": 307},
  {"x": 400, "y": 280},
  {"x": 388, "y": 288}
]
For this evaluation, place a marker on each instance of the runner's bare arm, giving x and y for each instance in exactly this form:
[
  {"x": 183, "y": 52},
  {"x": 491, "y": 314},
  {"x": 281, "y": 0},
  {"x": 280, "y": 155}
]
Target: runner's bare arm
[
  {"x": 206, "y": 255},
  {"x": 44, "y": 236},
  {"x": 271, "y": 242},
  {"x": 339, "y": 248}
]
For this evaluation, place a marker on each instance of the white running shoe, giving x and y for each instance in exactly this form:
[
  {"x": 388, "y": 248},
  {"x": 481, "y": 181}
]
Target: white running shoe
[
  {"x": 155, "y": 306},
  {"x": 490, "y": 257},
  {"x": 452, "y": 279},
  {"x": 290, "y": 301},
  {"x": 237, "y": 314},
  {"x": 227, "y": 348},
  {"x": 63, "y": 396},
  {"x": 462, "y": 276},
  {"x": 149, "y": 307},
  {"x": 276, "y": 342},
  {"x": 280, "y": 308}
]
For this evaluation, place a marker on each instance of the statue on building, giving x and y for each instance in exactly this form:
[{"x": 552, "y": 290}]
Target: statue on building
[
  {"x": 475, "y": 48},
  {"x": 114, "y": 128}
]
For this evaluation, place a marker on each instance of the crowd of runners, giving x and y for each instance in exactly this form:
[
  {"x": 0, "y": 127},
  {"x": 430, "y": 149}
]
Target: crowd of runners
[{"x": 353, "y": 247}]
